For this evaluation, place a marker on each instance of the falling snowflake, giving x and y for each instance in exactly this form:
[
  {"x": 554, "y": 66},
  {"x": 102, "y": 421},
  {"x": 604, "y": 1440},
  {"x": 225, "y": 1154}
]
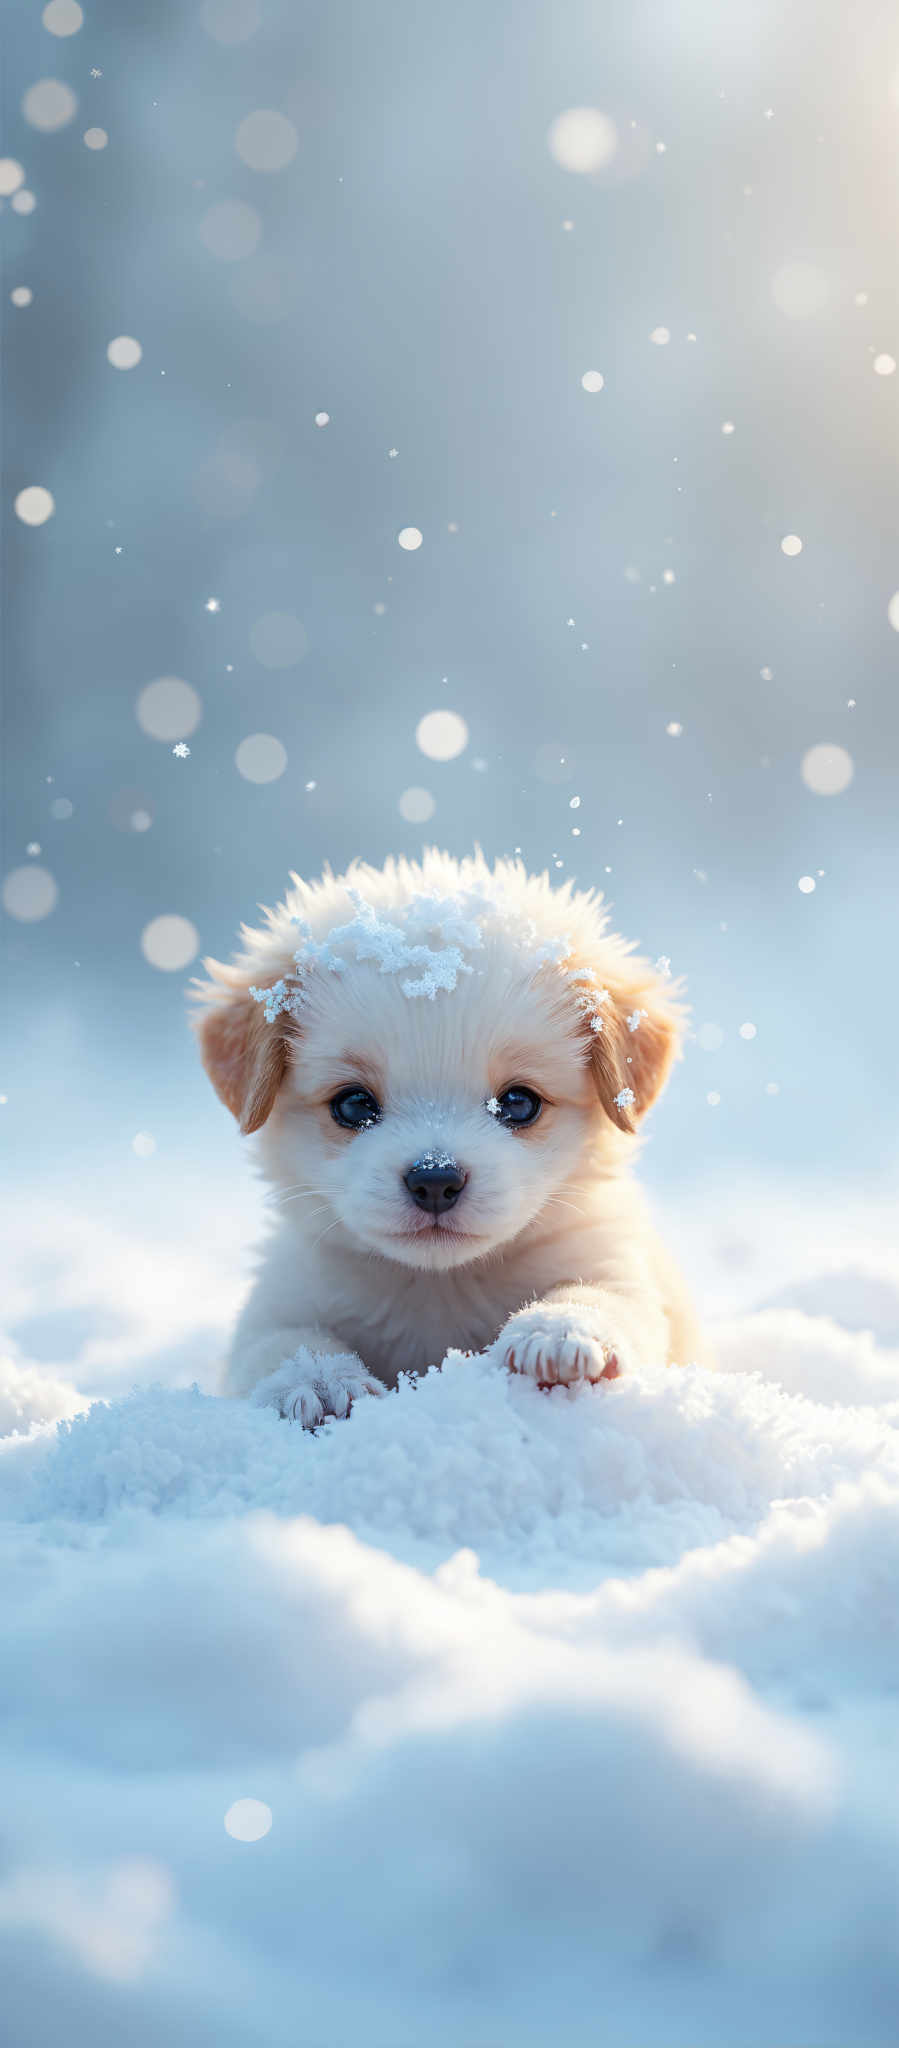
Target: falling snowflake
[
  {"x": 213, "y": 604},
  {"x": 663, "y": 966},
  {"x": 633, "y": 1022},
  {"x": 181, "y": 750},
  {"x": 624, "y": 1098}
]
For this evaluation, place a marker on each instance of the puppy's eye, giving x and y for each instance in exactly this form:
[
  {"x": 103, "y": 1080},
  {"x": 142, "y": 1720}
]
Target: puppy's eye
[
  {"x": 355, "y": 1109},
  {"x": 518, "y": 1106}
]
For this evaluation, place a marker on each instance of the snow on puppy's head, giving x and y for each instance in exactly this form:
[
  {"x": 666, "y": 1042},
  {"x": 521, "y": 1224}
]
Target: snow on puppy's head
[{"x": 434, "y": 1048}]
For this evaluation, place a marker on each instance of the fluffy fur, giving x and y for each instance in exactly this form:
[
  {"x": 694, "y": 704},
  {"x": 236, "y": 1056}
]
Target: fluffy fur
[{"x": 548, "y": 1247}]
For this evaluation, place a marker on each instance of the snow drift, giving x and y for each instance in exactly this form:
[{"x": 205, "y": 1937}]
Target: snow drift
[{"x": 576, "y": 1715}]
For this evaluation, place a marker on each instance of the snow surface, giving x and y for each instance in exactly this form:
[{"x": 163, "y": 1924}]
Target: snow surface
[{"x": 576, "y": 1714}]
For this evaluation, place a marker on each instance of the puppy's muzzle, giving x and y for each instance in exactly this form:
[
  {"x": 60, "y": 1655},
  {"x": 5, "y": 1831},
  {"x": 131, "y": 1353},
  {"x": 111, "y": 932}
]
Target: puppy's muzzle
[{"x": 435, "y": 1184}]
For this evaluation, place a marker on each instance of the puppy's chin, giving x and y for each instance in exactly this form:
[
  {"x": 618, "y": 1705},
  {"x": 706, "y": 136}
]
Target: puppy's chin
[{"x": 431, "y": 1248}]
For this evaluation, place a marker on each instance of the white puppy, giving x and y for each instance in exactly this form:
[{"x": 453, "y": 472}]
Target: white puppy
[{"x": 446, "y": 1065}]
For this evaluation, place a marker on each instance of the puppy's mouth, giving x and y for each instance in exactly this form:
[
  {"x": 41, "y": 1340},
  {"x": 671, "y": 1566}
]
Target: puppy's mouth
[{"x": 434, "y": 1230}]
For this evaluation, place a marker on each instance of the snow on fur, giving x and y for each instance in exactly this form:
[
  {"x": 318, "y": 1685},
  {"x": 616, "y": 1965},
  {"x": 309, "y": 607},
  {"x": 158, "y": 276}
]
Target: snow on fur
[
  {"x": 426, "y": 922},
  {"x": 563, "y": 1705}
]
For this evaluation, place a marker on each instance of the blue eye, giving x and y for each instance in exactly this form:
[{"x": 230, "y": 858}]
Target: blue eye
[
  {"x": 355, "y": 1109},
  {"x": 517, "y": 1107}
]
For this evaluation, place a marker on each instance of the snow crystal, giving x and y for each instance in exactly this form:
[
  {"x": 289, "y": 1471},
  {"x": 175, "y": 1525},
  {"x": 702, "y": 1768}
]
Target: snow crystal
[
  {"x": 624, "y": 1098},
  {"x": 633, "y": 1022},
  {"x": 493, "y": 1106}
]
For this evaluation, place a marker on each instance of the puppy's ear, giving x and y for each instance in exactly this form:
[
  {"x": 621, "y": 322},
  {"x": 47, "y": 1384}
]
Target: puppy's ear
[
  {"x": 636, "y": 1034},
  {"x": 244, "y": 1056}
]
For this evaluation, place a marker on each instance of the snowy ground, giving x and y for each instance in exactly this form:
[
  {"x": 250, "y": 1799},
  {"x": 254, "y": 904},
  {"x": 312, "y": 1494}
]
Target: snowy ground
[{"x": 576, "y": 1717}]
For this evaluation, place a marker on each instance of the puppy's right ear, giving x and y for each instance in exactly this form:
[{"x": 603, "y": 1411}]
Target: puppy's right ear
[{"x": 244, "y": 1056}]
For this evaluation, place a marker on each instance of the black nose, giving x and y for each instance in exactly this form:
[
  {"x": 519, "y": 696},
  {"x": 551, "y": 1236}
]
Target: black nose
[{"x": 435, "y": 1184}]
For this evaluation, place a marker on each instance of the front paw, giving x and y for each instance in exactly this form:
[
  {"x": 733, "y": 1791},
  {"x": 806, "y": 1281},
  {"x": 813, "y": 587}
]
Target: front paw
[
  {"x": 556, "y": 1344},
  {"x": 310, "y": 1386}
]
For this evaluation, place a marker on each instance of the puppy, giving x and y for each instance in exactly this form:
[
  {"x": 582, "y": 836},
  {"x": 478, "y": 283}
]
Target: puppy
[{"x": 446, "y": 1065}]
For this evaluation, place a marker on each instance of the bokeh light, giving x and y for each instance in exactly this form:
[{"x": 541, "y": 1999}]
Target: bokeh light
[
  {"x": 12, "y": 175},
  {"x": 266, "y": 141},
  {"x": 441, "y": 735},
  {"x": 231, "y": 21},
  {"x": 791, "y": 544},
  {"x": 34, "y": 505},
  {"x": 806, "y": 883},
  {"x": 248, "y": 1820},
  {"x": 593, "y": 380},
  {"x": 62, "y": 17},
  {"x": 799, "y": 290},
  {"x": 582, "y": 139},
  {"x": 23, "y": 201},
  {"x": 260, "y": 758},
  {"x": 710, "y": 1037},
  {"x": 884, "y": 365},
  {"x": 410, "y": 538},
  {"x": 169, "y": 943},
  {"x": 827, "y": 769},
  {"x": 95, "y": 138},
  {"x": 124, "y": 352},
  {"x": 144, "y": 1144},
  {"x": 661, "y": 336},
  {"x": 168, "y": 708},
  {"x": 416, "y": 806},
  {"x": 49, "y": 104},
  {"x": 29, "y": 894},
  {"x": 230, "y": 230}
]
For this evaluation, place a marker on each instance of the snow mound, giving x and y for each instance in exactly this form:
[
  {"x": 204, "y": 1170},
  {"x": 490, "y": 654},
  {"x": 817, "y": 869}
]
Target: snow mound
[
  {"x": 558, "y": 1707},
  {"x": 548, "y": 1489}
]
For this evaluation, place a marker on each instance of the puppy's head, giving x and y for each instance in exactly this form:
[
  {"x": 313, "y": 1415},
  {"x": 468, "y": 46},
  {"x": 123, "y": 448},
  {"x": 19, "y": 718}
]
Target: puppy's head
[{"x": 431, "y": 1051}]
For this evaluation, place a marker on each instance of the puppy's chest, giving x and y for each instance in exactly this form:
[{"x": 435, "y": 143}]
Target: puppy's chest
[
  {"x": 407, "y": 1327},
  {"x": 412, "y": 1321}
]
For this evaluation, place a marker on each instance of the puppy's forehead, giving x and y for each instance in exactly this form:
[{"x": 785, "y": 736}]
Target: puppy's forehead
[{"x": 505, "y": 1010}]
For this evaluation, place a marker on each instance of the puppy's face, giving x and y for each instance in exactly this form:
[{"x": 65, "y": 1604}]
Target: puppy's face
[
  {"x": 435, "y": 1131},
  {"x": 436, "y": 1124}
]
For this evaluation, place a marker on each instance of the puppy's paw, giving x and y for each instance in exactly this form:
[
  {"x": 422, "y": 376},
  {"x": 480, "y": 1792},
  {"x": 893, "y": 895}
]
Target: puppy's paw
[
  {"x": 311, "y": 1386},
  {"x": 556, "y": 1344}
]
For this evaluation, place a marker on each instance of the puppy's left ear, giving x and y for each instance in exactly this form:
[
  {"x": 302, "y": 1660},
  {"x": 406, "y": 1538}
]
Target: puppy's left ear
[
  {"x": 642, "y": 1024},
  {"x": 244, "y": 1056}
]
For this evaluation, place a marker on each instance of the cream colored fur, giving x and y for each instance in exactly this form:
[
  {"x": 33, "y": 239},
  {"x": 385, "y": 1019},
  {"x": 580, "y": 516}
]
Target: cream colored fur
[{"x": 549, "y": 1248}]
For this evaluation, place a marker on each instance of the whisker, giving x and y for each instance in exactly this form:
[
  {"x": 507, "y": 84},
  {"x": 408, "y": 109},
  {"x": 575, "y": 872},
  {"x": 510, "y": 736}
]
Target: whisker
[
  {"x": 324, "y": 1233},
  {"x": 320, "y": 1211}
]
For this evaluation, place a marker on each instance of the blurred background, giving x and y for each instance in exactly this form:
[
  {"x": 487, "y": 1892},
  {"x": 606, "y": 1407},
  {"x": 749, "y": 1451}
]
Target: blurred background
[{"x": 535, "y": 364}]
